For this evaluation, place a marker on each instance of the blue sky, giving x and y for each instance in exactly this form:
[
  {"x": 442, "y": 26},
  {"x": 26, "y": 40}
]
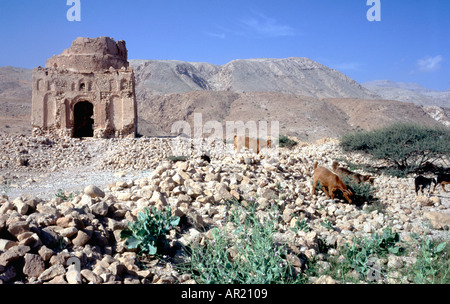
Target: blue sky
[{"x": 411, "y": 43}]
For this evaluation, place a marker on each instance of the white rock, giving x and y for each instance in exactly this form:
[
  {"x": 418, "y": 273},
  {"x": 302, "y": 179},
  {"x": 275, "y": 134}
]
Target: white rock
[
  {"x": 367, "y": 228},
  {"x": 395, "y": 262},
  {"x": 20, "y": 206},
  {"x": 6, "y": 244},
  {"x": 94, "y": 191},
  {"x": 86, "y": 200}
]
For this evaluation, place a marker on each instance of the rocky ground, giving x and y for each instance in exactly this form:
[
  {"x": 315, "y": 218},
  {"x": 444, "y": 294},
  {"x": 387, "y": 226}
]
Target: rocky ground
[{"x": 67, "y": 200}]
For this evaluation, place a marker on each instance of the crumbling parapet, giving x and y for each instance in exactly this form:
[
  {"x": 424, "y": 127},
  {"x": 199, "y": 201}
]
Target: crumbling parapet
[{"x": 87, "y": 91}]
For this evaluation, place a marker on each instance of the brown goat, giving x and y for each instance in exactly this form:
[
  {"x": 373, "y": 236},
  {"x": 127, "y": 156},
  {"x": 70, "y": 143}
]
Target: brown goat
[
  {"x": 359, "y": 178},
  {"x": 442, "y": 179},
  {"x": 251, "y": 143},
  {"x": 331, "y": 181}
]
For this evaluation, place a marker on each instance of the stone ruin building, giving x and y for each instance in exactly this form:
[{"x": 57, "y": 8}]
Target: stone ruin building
[{"x": 87, "y": 91}]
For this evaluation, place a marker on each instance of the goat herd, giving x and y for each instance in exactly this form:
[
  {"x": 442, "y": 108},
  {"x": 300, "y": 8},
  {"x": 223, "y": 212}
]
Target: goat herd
[{"x": 332, "y": 181}]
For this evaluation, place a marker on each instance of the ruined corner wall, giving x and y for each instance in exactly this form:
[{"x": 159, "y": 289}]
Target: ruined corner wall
[{"x": 111, "y": 94}]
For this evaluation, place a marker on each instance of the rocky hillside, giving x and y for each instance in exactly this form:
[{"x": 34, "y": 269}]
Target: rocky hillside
[
  {"x": 72, "y": 235},
  {"x": 301, "y": 116}
]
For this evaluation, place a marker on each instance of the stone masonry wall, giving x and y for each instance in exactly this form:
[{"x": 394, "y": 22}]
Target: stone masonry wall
[{"x": 67, "y": 81}]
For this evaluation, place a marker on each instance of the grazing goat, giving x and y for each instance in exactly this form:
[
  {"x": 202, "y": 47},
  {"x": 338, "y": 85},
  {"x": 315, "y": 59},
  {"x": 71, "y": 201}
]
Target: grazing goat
[
  {"x": 421, "y": 182},
  {"x": 359, "y": 178},
  {"x": 442, "y": 179},
  {"x": 206, "y": 158},
  {"x": 251, "y": 143},
  {"x": 331, "y": 181}
]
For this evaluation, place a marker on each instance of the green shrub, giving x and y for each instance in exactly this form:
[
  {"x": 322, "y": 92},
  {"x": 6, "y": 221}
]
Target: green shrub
[
  {"x": 326, "y": 223},
  {"x": 60, "y": 194},
  {"x": 377, "y": 205},
  {"x": 286, "y": 142},
  {"x": 148, "y": 233},
  {"x": 364, "y": 257},
  {"x": 175, "y": 159},
  {"x": 360, "y": 253},
  {"x": 405, "y": 146},
  {"x": 362, "y": 192},
  {"x": 301, "y": 226},
  {"x": 246, "y": 255},
  {"x": 361, "y": 257},
  {"x": 432, "y": 263}
]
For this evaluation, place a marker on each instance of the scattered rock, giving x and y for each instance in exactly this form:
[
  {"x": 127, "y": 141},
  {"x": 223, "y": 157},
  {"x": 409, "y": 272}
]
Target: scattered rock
[
  {"x": 6, "y": 244},
  {"x": 49, "y": 237},
  {"x": 94, "y": 191},
  {"x": 395, "y": 262},
  {"x": 81, "y": 239},
  {"x": 68, "y": 232},
  {"x": 325, "y": 279},
  {"x": 439, "y": 220},
  {"x": 20, "y": 206},
  {"x": 424, "y": 201},
  {"x": 100, "y": 209},
  {"x": 13, "y": 253},
  {"x": 87, "y": 226},
  {"x": 45, "y": 253},
  {"x": 52, "y": 272},
  {"x": 19, "y": 227},
  {"x": 6, "y": 206},
  {"x": 8, "y": 275},
  {"x": 34, "y": 265},
  {"x": 91, "y": 276},
  {"x": 223, "y": 192}
]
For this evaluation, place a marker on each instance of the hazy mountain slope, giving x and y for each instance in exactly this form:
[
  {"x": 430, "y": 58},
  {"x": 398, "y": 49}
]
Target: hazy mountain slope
[
  {"x": 15, "y": 83},
  {"x": 15, "y": 100},
  {"x": 408, "y": 92}
]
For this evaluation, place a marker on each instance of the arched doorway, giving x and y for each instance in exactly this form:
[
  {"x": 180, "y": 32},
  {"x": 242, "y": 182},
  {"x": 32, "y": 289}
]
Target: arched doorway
[{"x": 83, "y": 122}]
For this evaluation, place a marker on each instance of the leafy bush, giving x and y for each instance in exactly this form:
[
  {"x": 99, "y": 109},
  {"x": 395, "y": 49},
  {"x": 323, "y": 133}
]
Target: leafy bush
[
  {"x": 326, "y": 223},
  {"x": 248, "y": 255},
  {"x": 148, "y": 233},
  {"x": 359, "y": 254},
  {"x": 362, "y": 192},
  {"x": 301, "y": 226},
  {"x": 361, "y": 260},
  {"x": 432, "y": 264},
  {"x": 63, "y": 196},
  {"x": 285, "y": 141},
  {"x": 405, "y": 146}
]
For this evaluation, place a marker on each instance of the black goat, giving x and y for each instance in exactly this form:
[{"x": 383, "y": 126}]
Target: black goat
[{"x": 422, "y": 182}]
